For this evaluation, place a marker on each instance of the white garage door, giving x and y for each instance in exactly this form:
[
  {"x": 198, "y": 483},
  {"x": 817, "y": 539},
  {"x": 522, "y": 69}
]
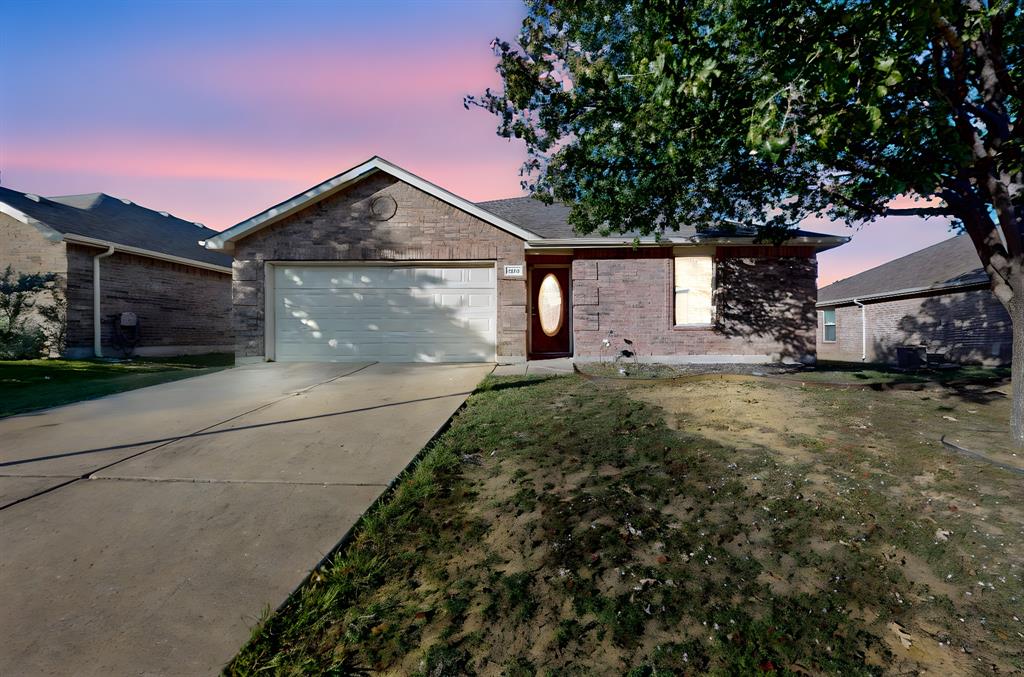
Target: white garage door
[{"x": 385, "y": 313}]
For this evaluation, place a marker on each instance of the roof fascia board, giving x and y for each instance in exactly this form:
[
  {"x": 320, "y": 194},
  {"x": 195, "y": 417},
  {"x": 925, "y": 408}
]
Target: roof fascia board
[
  {"x": 149, "y": 253},
  {"x": 337, "y": 183},
  {"x": 900, "y": 293},
  {"x": 49, "y": 233},
  {"x": 820, "y": 243}
]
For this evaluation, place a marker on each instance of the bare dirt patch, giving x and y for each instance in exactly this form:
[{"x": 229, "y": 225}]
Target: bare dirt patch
[
  {"x": 852, "y": 441},
  {"x": 737, "y": 411}
]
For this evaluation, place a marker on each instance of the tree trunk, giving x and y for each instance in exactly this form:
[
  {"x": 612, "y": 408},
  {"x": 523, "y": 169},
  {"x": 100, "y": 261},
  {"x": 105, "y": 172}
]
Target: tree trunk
[{"x": 1017, "y": 366}]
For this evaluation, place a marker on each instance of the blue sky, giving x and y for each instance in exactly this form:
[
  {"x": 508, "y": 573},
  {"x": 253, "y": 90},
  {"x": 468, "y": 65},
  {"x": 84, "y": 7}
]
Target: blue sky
[{"x": 215, "y": 110}]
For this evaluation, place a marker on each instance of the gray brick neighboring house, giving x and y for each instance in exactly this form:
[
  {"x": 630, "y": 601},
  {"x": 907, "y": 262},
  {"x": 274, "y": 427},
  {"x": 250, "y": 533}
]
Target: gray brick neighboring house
[
  {"x": 938, "y": 297},
  {"x": 150, "y": 264},
  {"x": 379, "y": 264}
]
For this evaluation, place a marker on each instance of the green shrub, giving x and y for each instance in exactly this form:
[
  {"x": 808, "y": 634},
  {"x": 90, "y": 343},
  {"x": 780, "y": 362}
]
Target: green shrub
[
  {"x": 19, "y": 338},
  {"x": 24, "y": 343}
]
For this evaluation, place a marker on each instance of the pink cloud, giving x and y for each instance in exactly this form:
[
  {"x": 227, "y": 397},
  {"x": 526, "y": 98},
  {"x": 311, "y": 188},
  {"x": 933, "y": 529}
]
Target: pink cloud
[{"x": 228, "y": 183}]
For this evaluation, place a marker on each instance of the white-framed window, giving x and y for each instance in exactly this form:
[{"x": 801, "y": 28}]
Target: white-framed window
[
  {"x": 828, "y": 325},
  {"x": 694, "y": 290}
]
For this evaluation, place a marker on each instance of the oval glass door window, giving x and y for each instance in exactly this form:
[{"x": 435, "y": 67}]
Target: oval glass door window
[{"x": 549, "y": 305}]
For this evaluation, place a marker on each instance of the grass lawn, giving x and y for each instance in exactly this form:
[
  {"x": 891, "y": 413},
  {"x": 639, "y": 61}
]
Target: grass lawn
[
  {"x": 841, "y": 372},
  {"x": 565, "y": 526},
  {"x": 27, "y": 385}
]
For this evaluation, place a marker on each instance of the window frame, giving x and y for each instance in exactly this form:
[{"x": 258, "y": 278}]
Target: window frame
[
  {"x": 825, "y": 324},
  {"x": 676, "y": 324}
]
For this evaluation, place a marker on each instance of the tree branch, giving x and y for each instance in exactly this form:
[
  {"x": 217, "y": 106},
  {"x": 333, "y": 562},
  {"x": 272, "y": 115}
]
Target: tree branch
[
  {"x": 973, "y": 213},
  {"x": 919, "y": 211}
]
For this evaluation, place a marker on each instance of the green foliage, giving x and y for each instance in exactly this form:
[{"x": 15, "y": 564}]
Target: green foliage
[
  {"x": 55, "y": 321},
  {"x": 651, "y": 115},
  {"x": 21, "y": 343},
  {"x": 19, "y": 293}
]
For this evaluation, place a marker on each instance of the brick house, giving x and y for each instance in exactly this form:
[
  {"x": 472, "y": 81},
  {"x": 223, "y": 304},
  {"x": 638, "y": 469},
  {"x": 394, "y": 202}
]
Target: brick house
[
  {"x": 146, "y": 262},
  {"x": 379, "y": 264},
  {"x": 938, "y": 298}
]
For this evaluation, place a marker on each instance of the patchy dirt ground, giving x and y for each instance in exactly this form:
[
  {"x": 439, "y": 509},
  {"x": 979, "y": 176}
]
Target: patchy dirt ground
[
  {"x": 731, "y": 525},
  {"x": 845, "y": 441}
]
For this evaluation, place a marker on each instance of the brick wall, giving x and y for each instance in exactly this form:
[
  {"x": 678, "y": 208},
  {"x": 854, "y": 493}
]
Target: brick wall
[
  {"x": 179, "y": 307},
  {"x": 764, "y": 306},
  {"x": 339, "y": 229},
  {"x": 27, "y": 250},
  {"x": 970, "y": 327}
]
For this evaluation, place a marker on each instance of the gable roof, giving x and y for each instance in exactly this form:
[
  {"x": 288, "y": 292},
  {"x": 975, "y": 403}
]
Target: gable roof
[
  {"x": 949, "y": 264},
  {"x": 551, "y": 222},
  {"x": 539, "y": 225},
  {"x": 98, "y": 218},
  {"x": 334, "y": 184}
]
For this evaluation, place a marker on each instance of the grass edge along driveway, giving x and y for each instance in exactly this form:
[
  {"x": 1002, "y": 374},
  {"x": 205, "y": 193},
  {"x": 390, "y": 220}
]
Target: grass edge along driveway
[
  {"x": 570, "y": 509},
  {"x": 30, "y": 385}
]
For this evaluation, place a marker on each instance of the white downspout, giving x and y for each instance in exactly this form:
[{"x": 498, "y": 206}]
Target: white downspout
[
  {"x": 97, "y": 316},
  {"x": 863, "y": 333}
]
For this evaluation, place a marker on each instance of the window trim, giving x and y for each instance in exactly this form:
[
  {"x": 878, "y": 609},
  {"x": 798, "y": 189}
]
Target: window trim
[
  {"x": 561, "y": 304},
  {"x": 825, "y": 324},
  {"x": 714, "y": 292}
]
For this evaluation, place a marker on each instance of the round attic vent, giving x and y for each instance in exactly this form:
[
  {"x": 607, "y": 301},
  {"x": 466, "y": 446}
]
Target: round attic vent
[{"x": 383, "y": 207}]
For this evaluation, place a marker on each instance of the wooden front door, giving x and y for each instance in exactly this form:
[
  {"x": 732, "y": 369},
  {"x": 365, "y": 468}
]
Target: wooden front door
[{"x": 550, "y": 313}]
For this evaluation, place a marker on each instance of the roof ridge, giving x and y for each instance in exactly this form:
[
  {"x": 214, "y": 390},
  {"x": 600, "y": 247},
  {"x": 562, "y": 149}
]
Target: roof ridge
[
  {"x": 123, "y": 200},
  {"x": 101, "y": 217},
  {"x": 98, "y": 192}
]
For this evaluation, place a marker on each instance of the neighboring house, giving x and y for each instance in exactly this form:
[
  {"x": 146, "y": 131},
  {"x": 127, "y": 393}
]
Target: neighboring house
[
  {"x": 379, "y": 264},
  {"x": 938, "y": 298},
  {"x": 146, "y": 262}
]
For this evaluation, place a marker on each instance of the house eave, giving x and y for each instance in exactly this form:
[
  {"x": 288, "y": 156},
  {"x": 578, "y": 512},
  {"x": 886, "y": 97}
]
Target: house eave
[
  {"x": 148, "y": 253},
  {"x": 904, "y": 293},
  {"x": 819, "y": 243}
]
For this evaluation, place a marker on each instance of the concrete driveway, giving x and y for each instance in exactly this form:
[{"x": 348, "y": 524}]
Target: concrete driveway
[{"x": 143, "y": 533}]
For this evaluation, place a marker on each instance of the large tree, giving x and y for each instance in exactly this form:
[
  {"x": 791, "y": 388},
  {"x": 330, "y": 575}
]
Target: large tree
[{"x": 653, "y": 114}]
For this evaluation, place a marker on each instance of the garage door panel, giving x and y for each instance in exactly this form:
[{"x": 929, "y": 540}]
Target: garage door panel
[
  {"x": 428, "y": 314},
  {"x": 329, "y": 298},
  {"x": 383, "y": 277}
]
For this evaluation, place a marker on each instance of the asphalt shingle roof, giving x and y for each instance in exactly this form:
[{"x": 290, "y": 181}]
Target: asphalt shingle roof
[
  {"x": 952, "y": 262},
  {"x": 547, "y": 221},
  {"x": 102, "y": 217},
  {"x": 551, "y": 221}
]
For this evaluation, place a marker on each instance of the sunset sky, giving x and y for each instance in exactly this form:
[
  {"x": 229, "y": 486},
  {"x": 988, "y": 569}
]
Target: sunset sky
[{"x": 216, "y": 110}]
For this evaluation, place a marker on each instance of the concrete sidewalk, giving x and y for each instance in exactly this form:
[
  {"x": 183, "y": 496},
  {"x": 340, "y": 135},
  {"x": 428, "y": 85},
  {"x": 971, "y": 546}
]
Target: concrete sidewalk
[
  {"x": 550, "y": 367},
  {"x": 204, "y": 502}
]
